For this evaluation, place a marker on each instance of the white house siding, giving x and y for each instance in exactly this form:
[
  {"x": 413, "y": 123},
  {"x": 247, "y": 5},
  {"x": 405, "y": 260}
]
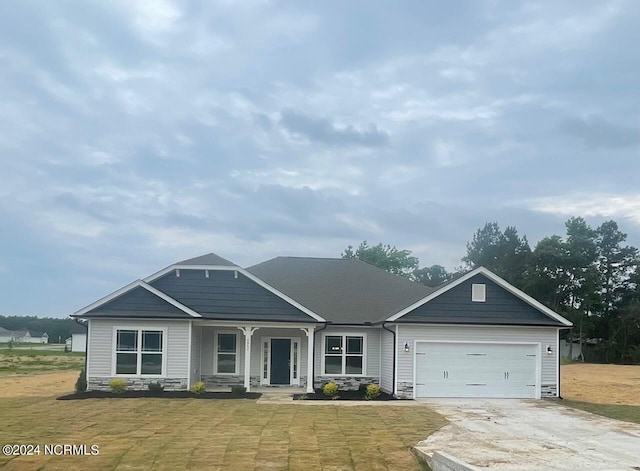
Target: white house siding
[
  {"x": 372, "y": 372},
  {"x": 78, "y": 342},
  {"x": 543, "y": 335},
  {"x": 386, "y": 365},
  {"x": 101, "y": 351},
  {"x": 207, "y": 372},
  {"x": 257, "y": 347}
]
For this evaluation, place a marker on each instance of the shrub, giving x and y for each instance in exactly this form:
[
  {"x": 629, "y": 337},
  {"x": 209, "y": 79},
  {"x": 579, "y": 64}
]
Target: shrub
[
  {"x": 372, "y": 392},
  {"x": 330, "y": 389},
  {"x": 198, "y": 388},
  {"x": 237, "y": 390},
  {"x": 156, "y": 387},
  {"x": 118, "y": 385},
  {"x": 81, "y": 383}
]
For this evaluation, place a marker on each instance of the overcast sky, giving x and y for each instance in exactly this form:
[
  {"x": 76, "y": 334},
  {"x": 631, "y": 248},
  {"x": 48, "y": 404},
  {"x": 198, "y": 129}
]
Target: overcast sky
[{"x": 134, "y": 134}]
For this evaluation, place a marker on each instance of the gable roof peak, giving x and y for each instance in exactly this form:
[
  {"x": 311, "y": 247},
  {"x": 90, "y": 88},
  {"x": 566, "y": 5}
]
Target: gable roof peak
[{"x": 208, "y": 259}]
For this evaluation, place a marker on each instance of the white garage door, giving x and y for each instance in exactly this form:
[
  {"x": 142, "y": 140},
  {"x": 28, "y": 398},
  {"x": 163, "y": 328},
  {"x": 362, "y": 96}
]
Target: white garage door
[{"x": 476, "y": 370}]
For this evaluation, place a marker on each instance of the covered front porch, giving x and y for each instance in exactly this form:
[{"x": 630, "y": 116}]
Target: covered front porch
[{"x": 254, "y": 355}]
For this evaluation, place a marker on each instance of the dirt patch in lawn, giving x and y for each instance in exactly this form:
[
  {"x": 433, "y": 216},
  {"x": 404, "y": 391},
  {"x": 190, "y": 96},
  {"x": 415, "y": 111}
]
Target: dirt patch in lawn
[
  {"x": 38, "y": 385},
  {"x": 602, "y": 384}
]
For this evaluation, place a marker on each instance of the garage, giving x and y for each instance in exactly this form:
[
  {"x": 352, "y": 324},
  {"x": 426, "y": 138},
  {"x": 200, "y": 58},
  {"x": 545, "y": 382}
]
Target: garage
[{"x": 474, "y": 369}]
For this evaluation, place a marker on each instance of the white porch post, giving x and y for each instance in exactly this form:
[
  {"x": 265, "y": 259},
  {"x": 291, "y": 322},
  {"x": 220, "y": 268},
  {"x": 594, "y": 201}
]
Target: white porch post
[
  {"x": 310, "y": 339},
  {"x": 248, "y": 333}
]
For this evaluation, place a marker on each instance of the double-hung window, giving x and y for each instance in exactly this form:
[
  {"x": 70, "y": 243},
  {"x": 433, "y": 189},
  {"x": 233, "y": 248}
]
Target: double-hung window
[
  {"x": 226, "y": 354},
  {"x": 139, "y": 352},
  {"x": 344, "y": 354}
]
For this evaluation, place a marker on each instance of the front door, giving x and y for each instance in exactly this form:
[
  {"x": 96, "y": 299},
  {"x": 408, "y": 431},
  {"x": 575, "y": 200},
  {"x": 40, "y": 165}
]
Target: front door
[{"x": 280, "y": 361}]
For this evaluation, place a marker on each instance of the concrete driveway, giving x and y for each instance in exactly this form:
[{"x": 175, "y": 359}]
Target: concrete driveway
[{"x": 513, "y": 434}]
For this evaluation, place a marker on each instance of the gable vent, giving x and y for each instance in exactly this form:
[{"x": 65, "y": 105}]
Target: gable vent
[{"x": 478, "y": 292}]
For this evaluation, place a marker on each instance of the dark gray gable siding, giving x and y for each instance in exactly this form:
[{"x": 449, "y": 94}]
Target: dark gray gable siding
[
  {"x": 138, "y": 302},
  {"x": 455, "y": 307},
  {"x": 222, "y": 296}
]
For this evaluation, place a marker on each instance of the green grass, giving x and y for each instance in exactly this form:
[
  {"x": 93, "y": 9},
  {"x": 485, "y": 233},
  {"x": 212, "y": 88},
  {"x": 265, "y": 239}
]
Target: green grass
[
  {"x": 216, "y": 434},
  {"x": 614, "y": 411}
]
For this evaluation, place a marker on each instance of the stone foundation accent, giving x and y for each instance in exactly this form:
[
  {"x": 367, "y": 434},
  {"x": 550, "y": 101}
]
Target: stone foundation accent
[
  {"x": 222, "y": 381},
  {"x": 136, "y": 384},
  {"x": 549, "y": 390},
  {"x": 347, "y": 383},
  {"x": 405, "y": 390}
]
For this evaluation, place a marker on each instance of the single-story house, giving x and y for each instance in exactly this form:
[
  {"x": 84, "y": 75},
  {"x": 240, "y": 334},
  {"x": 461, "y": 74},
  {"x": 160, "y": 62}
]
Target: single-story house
[
  {"x": 77, "y": 342},
  {"x": 6, "y": 336},
  {"x": 30, "y": 336},
  {"x": 301, "y": 322}
]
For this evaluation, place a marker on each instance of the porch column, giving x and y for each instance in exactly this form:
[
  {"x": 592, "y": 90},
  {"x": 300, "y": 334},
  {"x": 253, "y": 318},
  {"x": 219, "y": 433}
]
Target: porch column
[
  {"x": 248, "y": 333},
  {"x": 310, "y": 338}
]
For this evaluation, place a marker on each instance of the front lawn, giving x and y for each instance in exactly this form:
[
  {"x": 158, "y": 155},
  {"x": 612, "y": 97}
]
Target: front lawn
[
  {"x": 149, "y": 433},
  {"x": 614, "y": 411},
  {"x": 27, "y": 360}
]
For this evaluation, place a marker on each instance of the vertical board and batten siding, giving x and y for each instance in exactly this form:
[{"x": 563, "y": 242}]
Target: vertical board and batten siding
[
  {"x": 510, "y": 334},
  {"x": 256, "y": 349},
  {"x": 373, "y": 347},
  {"x": 386, "y": 364},
  {"x": 101, "y": 345}
]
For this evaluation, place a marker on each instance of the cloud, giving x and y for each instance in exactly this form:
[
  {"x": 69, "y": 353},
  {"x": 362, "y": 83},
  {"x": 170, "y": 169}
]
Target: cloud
[
  {"x": 324, "y": 131},
  {"x": 597, "y": 133},
  {"x": 625, "y": 206}
]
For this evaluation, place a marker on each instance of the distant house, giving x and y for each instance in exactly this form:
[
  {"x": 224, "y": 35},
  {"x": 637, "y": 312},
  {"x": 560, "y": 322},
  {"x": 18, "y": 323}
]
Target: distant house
[
  {"x": 78, "y": 340},
  {"x": 30, "y": 336},
  {"x": 5, "y": 335}
]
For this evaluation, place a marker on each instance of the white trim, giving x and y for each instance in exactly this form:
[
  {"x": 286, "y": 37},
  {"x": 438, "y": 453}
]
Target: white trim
[
  {"x": 190, "y": 355},
  {"x": 129, "y": 287},
  {"x": 496, "y": 279},
  {"x": 292, "y": 381},
  {"x": 88, "y": 347},
  {"x": 252, "y": 277},
  {"x": 262, "y": 325},
  {"x": 558, "y": 366},
  {"x": 311, "y": 336},
  {"x": 395, "y": 366},
  {"x": 139, "y": 328},
  {"x": 478, "y": 292},
  {"x": 215, "y": 352},
  {"x": 538, "y": 373},
  {"x": 365, "y": 353}
]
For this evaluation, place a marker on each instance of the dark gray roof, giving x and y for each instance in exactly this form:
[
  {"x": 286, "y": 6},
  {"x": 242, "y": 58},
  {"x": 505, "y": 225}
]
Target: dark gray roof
[
  {"x": 77, "y": 328},
  {"x": 138, "y": 302},
  {"x": 343, "y": 291},
  {"x": 4, "y": 331},
  {"x": 208, "y": 259},
  {"x": 225, "y": 295}
]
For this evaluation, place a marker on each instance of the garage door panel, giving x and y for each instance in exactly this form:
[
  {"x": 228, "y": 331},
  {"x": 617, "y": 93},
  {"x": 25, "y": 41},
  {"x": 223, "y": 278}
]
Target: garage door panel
[{"x": 476, "y": 370}]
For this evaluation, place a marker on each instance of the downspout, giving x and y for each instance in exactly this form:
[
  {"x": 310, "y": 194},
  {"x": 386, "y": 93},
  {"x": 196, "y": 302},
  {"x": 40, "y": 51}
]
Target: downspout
[
  {"x": 393, "y": 360},
  {"x": 313, "y": 376}
]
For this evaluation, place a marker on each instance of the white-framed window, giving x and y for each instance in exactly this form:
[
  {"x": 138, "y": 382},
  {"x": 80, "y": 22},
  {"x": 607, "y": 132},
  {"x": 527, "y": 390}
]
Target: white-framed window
[
  {"x": 478, "y": 292},
  {"x": 226, "y": 353},
  {"x": 344, "y": 354},
  {"x": 139, "y": 351}
]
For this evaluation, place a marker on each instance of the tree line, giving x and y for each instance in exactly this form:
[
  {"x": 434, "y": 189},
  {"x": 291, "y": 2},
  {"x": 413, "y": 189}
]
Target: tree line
[{"x": 589, "y": 275}]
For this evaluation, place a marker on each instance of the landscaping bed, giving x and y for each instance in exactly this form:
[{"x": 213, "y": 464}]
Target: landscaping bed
[
  {"x": 355, "y": 395},
  {"x": 164, "y": 394}
]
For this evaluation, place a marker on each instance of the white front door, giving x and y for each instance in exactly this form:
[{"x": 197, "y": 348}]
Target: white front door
[{"x": 476, "y": 370}]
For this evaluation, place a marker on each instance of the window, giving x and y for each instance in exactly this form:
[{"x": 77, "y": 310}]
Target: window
[
  {"x": 343, "y": 355},
  {"x": 139, "y": 352},
  {"x": 478, "y": 293},
  {"x": 226, "y": 354}
]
